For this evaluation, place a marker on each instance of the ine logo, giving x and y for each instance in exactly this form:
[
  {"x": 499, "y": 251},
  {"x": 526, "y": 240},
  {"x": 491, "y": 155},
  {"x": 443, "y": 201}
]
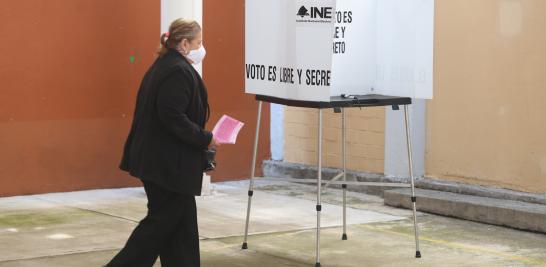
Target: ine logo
[
  {"x": 316, "y": 12},
  {"x": 303, "y": 12}
]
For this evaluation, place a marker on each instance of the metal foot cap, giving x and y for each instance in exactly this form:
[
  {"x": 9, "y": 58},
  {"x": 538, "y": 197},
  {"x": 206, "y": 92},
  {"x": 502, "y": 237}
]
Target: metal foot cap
[
  {"x": 418, "y": 254},
  {"x": 344, "y": 237},
  {"x": 245, "y": 246},
  {"x": 318, "y": 264}
]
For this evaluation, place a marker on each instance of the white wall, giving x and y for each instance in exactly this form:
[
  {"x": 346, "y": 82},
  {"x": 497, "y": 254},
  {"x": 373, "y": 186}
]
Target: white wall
[
  {"x": 277, "y": 132},
  {"x": 396, "y": 152},
  {"x": 174, "y": 9}
]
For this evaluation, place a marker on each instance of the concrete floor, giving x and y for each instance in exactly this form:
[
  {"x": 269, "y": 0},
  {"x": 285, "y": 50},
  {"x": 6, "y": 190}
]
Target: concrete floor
[{"x": 87, "y": 228}]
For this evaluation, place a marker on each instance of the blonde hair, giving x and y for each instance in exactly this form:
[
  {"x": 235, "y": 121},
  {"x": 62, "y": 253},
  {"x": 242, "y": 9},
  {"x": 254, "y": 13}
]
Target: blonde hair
[{"x": 179, "y": 30}]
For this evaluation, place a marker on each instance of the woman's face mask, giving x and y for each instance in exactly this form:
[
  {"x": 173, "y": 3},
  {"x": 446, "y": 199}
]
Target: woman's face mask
[
  {"x": 197, "y": 55},
  {"x": 193, "y": 50}
]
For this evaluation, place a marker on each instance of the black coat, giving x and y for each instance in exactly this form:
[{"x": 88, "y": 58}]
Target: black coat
[{"x": 167, "y": 140}]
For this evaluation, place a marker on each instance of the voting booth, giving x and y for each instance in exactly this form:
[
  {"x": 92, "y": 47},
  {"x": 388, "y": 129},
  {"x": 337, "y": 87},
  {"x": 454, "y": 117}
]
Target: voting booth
[{"x": 339, "y": 54}]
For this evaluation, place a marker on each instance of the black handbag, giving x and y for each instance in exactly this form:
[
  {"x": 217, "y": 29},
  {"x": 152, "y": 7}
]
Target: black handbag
[{"x": 210, "y": 162}]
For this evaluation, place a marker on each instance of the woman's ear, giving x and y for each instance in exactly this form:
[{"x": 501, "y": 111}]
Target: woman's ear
[{"x": 184, "y": 44}]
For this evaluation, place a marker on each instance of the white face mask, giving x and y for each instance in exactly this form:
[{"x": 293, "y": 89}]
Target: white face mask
[{"x": 197, "y": 55}]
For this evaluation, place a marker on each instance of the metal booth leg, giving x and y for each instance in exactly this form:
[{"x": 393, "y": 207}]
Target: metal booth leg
[
  {"x": 319, "y": 184},
  {"x": 252, "y": 173},
  {"x": 413, "y": 198},
  {"x": 344, "y": 161}
]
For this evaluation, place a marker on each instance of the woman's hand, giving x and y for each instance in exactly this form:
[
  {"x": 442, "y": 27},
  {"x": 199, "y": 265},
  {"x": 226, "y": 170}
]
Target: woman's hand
[{"x": 214, "y": 143}]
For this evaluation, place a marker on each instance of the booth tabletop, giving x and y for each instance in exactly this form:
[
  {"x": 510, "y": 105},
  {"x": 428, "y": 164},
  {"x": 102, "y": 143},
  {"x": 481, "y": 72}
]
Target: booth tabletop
[{"x": 341, "y": 102}]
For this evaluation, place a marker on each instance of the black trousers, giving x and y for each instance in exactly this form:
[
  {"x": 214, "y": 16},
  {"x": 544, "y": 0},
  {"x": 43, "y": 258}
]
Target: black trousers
[{"x": 169, "y": 231}]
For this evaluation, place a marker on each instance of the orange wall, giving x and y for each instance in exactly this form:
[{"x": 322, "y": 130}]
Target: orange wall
[
  {"x": 68, "y": 90},
  {"x": 223, "y": 71},
  {"x": 69, "y": 86}
]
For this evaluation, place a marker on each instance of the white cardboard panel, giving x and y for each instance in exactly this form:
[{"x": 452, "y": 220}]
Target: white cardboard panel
[{"x": 277, "y": 41}]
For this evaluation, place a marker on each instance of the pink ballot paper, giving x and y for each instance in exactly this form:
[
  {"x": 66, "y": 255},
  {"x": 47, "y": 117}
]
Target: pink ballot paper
[{"x": 227, "y": 129}]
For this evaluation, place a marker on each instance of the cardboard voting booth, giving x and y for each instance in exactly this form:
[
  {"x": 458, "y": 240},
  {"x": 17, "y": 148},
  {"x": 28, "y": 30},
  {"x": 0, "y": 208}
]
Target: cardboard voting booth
[
  {"x": 316, "y": 49},
  {"x": 339, "y": 54}
]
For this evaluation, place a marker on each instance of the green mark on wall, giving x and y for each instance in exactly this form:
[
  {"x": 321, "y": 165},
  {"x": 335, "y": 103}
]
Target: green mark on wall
[{"x": 132, "y": 59}]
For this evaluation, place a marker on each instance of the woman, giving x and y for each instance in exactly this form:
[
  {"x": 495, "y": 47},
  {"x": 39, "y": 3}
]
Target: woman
[{"x": 165, "y": 149}]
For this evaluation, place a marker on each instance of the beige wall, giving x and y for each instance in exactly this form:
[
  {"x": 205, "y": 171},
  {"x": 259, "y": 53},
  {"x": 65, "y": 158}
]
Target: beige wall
[
  {"x": 487, "y": 122},
  {"x": 365, "y": 138}
]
